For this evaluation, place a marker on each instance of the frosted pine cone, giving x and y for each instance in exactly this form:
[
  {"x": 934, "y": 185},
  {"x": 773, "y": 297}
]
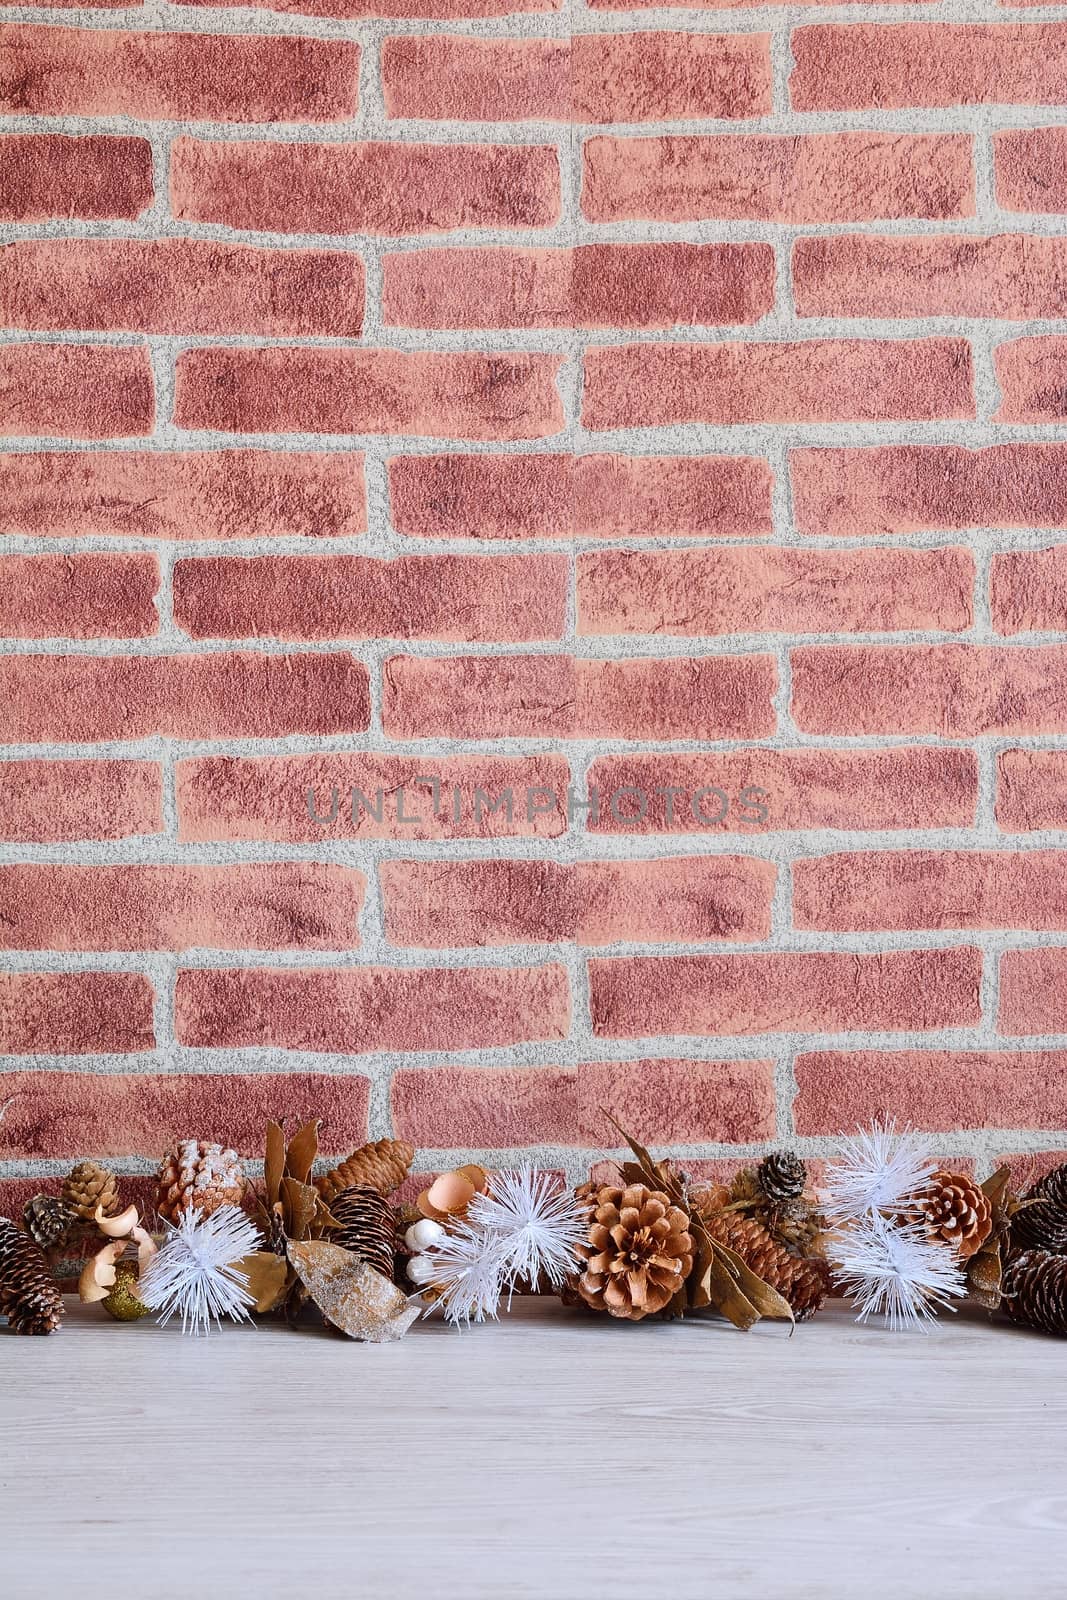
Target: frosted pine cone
[
  {"x": 198, "y": 1176},
  {"x": 954, "y": 1209},
  {"x": 639, "y": 1254}
]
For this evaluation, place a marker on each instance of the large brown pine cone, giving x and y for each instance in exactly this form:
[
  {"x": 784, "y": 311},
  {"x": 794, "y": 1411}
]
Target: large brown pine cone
[
  {"x": 953, "y": 1209},
  {"x": 1035, "y": 1290},
  {"x": 29, "y": 1296},
  {"x": 89, "y": 1185},
  {"x": 199, "y": 1176},
  {"x": 367, "y": 1226},
  {"x": 383, "y": 1166},
  {"x": 639, "y": 1254},
  {"x": 802, "y": 1280},
  {"x": 48, "y": 1220},
  {"x": 1043, "y": 1226}
]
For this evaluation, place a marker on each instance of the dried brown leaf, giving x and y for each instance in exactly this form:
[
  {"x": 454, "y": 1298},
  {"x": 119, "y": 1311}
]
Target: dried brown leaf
[
  {"x": 303, "y": 1148},
  {"x": 266, "y": 1274},
  {"x": 274, "y": 1163},
  {"x": 300, "y": 1201}
]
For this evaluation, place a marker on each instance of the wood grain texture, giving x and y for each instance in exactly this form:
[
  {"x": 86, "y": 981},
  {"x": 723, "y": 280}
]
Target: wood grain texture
[{"x": 551, "y": 1457}]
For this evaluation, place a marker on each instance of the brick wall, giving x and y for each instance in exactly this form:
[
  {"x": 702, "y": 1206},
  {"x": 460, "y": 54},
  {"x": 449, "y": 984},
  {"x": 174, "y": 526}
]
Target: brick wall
[{"x": 527, "y": 395}]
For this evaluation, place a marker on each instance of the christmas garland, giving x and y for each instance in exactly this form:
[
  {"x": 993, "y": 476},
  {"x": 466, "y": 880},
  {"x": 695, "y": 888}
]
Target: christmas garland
[{"x": 888, "y": 1229}]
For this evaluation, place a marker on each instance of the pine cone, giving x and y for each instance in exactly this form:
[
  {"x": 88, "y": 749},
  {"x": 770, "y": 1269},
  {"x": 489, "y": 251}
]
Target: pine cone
[
  {"x": 953, "y": 1208},
  {"x": 781, "y": 1176},
  {"x": 803, "y": 1281},
  {"x": 1043, "y": 1226},
  {"x": 48, "y": 1220},
  {"x": 797, "y": 1225},
  {"x": 367, "y": 1226},
  {"x": 198, "y": 1176},
  {"x": 1035, "y": 1290},
  {"x": 383, "y": 1166},
  {"x": 89, "y": 1185},
  {"x": 640, "y": 1253},
  {"x": 29, "y": 1295}
]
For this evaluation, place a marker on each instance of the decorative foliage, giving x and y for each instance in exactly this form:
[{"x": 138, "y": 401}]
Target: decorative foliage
[
  {"x": 196, "y": 1275},
  {"x": 878, "y": 1170},
  {"x": 896, "y": 1270}
]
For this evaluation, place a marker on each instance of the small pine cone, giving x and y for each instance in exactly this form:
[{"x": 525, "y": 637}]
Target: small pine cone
[
  {"x": 29, "y": 1296},
  {"x": 781, "y": 1177},
  {"x": 1035, "y": 1291},
  {"x": 383, "y": 1166},
  {"x": 797, "y": 1225},
  {"x": 89, "y": 1185},
  {"x": 48, "y": 1220},
  {"x": 639, "y": 1254},
  {"x": 1043, "y": 1226},
  {"x": 198, "y": 1176},
  {"x": 953, "y": 1208},
  {"x": 367, "y": 1226},
  {"x": 803, "y": 1281}
]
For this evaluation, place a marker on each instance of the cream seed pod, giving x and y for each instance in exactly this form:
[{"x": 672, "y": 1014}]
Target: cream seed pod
[{"x": 419, "y": 1238}]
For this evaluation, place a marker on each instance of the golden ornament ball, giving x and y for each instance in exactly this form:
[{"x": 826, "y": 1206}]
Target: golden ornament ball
[{"x": 122, "y": 1303}]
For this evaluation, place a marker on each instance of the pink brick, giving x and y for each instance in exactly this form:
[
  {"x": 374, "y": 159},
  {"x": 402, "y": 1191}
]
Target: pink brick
[
  {"x": 61, "y": 802},
  {"x": 1031, "y": 790},
  {"x": 275, "y": 906},
  {"x": 909, "y": 889},
  {"x": 70, "y": 1014},
  {"x": 1031, "y": 169},
  {"x": 903, "y": 787},
  {"x": 238, "y": 694},
  {"x": 300, "y": 390},
  {"x": 921, "y": 488},
  {"x": 51, "y": 175},
  {"x": 793, "y": 178},
  {"x": 709, "y": 592},
  {"x": 180, "y": 286},
  {"x": 76, "y": 391},
  {"x": 592, "y": 286},
  {"x": 467, "y": 598},
  {"x": 1033, "y": 992},
  {"x": 440, "y": 904},
  {"x": 266, "y": 797},
  {"x": 940, "y": 1090},
  {"x": 389, "y": 188},
  {"x": 183, "y": 494},
  {"x": 351, "y": 9},
  {"x": 78, "y": 597},
  {"x": 360, "y": 1009},
  {"x": 1029, "y": 590},
  {"x": 1012, "y": 276},
  {"x": 480, "y": 697},
  {"x": 590, "y": 496},
  {"x": 953, "y": 690},
  {"x": 808, "y": 992},
  {"x": 818, "y": 380},
  {"x": 1032, "y": 374}
]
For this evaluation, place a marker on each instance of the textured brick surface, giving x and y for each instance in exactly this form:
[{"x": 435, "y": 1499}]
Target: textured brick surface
[
  {"x": 74, "y": 1013},
  {"x": 64, "y": 801},
  {"x": 78, "y": 597},
  {"x": 940, "y": 1089},
  {"x": 79, "y": 391},
  {"x": 1032, "y": 374},
  {"x": 1031, "y": 790},
  {"x": 1031, "y": 169},
  {"x": 912, "y": 889},
  {"x": 47, "y": 175}
]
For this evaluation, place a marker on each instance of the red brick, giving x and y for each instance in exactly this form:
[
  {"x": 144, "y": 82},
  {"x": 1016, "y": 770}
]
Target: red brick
[
  {"x": 260, "y": 906},
  {"x": 886, "y": 889},
  {"x": 435, "y": 905},
  {"x": 78, "y": 597},
  {"x": 793, "y": 178},
  {"x": 1031, "y": 790},
  {"x": 70, "y": 1014},
  {"x": 734, "y": 590},
  {"x": 61, "y": 802},
  {"x": 597, "y": 77},
  {"x": 1031, "y": 169},
  {"x": 941, "y": 1090},
  {"x": 1032, "y": 374},
  {"x": 918, "y": 488},
  {"x": 903, "y": 787},
  {"x": 955, "y": 690},
  {"x": 236, "y": 694},
  {"x": 482, "y": 697},
  {"x": 51, "y": 175},
  {"x": 183, "y": 494},
  {"x": 637, "y": 5},
  {"x": 359, "y": 1009},
  {"x": 1028, "y": 589},
  {"x": 76, "y": 391},
  {"x": 1033, "y": 991},
  {"x": 179, "y": 286},
  {"x": 93, "y": 72},
  {"x": 468, "y": 598},
  {"x": 1029, "y": 1165},
  {"x": 818, "y": 380},
  {"x": 266, "y": 797},
  {"x": 447, "y": 10},
  {"x": 671, "y": 1102},
  {"x": 301, "y": 390},
  {"x": 591, "y": 286},
  {"x": 861, "y": 66},
  {"x": 1013, "y": 276},
  {"x": 364, "y": 188},
  {"x": 590, "y": 496},
  {"x": 137, "y": 1114},
  {"x": 785, "y": 992}
]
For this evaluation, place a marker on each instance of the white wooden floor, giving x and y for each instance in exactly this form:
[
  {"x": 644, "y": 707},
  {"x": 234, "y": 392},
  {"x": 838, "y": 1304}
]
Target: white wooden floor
[{"x": 549, "y": 1456}]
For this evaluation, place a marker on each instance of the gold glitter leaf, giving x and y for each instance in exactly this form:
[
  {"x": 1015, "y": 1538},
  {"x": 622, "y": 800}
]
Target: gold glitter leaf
[{"x": 351, "y": 1294}]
